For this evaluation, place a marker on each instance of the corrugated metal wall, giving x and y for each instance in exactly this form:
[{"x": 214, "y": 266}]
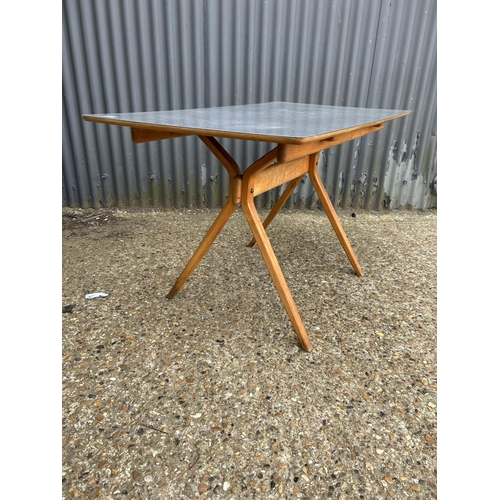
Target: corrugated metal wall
[{"x": 145, "y": 55}]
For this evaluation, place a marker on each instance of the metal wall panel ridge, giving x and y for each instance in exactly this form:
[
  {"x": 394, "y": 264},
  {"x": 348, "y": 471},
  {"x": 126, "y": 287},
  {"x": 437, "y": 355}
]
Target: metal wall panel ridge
[{"x": 144, "y": 55}]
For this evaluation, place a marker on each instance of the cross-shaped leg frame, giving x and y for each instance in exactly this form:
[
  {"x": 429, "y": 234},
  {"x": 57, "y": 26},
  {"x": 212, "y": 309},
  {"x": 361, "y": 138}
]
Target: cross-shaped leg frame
[{"x": 285, "y": 163}]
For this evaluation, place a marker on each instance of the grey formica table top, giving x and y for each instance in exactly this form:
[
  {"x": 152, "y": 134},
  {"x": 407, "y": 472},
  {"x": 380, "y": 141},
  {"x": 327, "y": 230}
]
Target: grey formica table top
[{"x": 282, "y": 122}]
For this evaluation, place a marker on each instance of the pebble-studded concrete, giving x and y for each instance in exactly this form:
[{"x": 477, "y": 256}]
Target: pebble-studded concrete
[{"x": 210, "y": 396}]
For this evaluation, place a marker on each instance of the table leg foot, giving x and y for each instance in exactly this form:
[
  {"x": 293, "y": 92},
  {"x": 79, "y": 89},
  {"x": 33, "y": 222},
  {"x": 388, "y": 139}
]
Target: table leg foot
[
  {"x": 204, "y": 246},
  {"x": 332, "y": 215}
]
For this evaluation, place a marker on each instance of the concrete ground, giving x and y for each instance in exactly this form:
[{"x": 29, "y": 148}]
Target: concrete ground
[{"x": 209, "y": 395}]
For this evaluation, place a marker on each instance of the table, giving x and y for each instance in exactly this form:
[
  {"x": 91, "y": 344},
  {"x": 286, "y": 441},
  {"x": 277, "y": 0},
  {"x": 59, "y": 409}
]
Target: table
[{"x": 300, "y": 132}]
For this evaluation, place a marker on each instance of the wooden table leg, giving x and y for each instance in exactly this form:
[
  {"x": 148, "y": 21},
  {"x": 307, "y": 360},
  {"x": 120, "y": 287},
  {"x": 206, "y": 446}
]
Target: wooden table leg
[
  {"x": 232, "y": 202},
  {"x": 252, "y": 216},
  {"x": 330, "y": 212},
  {"x": 279, "y": 204},
  {"x": 204, "y": 246}
]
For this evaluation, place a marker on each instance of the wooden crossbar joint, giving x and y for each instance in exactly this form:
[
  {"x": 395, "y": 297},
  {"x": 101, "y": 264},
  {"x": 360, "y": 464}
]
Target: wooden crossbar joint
[
  {"x": 278, "y": 174},
  {"x": 236, "y": 189}
]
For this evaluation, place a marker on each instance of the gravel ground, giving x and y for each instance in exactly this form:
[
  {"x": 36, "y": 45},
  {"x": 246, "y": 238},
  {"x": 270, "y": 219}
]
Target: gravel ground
[{"x": 209, "y": 395}]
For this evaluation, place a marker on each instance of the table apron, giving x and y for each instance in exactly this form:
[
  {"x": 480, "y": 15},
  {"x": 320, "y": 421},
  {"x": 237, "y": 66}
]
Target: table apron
[
  {"x": 140, "y": 135},
  {"x": 278, "y": 174},
  {"x": 288, "y": 152}
]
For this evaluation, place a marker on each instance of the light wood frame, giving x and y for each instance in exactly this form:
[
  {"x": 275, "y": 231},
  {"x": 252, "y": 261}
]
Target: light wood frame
[{"x": 286, "y": 163}]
